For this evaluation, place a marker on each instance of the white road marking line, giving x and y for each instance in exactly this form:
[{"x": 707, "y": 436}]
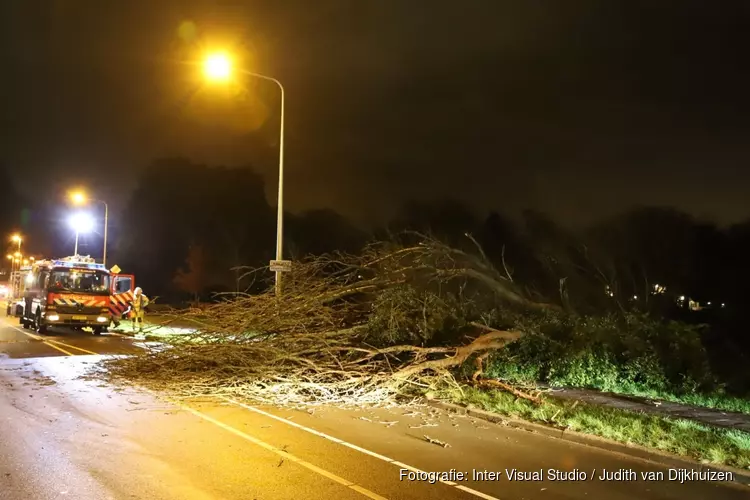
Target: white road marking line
[
  {"x": 54, "y": 343},
  {"x": 71, "y": 346},
  {"x": 286, "y": 455},
  {"x": 36, "y": 337},
  {"x": 355, "y": 447}
]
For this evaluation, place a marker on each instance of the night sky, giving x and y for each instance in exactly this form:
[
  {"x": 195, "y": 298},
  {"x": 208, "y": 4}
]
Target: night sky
[{"x": 579, "y": 109}]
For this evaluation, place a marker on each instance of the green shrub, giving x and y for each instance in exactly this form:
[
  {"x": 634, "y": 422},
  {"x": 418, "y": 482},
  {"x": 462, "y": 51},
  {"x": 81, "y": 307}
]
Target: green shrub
[
  {"x": 407, "y": 315},
  {"x": 620, "y": 353}
]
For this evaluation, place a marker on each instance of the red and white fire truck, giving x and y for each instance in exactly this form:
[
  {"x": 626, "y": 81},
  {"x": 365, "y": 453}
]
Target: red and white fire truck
[{"x": 73, "y": 292}]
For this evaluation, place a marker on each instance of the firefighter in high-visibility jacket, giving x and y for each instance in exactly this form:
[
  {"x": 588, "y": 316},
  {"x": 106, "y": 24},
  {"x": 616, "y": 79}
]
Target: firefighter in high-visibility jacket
[{"x": 138, "y": 308}]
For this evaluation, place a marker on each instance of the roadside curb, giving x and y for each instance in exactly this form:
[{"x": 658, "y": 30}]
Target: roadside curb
[{"x": 741, "y": 477}]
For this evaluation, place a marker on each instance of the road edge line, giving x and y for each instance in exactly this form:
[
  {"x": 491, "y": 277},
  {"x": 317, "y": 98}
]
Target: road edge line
[
  {"x": 285, "y": 454},
  {"x": 46, "y": 342},
  {"x": 336, "y": 440},
  {"x": 741, "y": 478},
  {"x": 71, "y": 346}
]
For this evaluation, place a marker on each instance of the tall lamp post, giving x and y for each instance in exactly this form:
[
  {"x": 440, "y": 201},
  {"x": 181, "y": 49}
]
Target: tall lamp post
[
  {"x": 16, "y": 238},
  {"x": 80, "y": 198},
  {"x": 81, "y": 223},
  {"x": 218, "y": 68}
]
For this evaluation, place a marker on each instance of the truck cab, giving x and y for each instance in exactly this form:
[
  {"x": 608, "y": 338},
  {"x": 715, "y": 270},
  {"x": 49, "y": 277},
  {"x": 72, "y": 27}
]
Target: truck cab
[{"x": 72, "y": 292}]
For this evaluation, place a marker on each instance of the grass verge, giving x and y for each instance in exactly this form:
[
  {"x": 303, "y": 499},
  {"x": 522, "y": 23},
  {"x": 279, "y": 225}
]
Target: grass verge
[
  {"x": 677, "y": 436},
  {"x": 716, "y": 402}
]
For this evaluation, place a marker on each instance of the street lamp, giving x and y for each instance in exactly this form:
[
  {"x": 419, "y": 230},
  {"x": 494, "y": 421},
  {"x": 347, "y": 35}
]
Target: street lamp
[
  {"x": 16, "y": 238},
  {"x": 81, "y": 223},
  {"x": 218, "y": 67},
  {"x": 80, "y": 198}
]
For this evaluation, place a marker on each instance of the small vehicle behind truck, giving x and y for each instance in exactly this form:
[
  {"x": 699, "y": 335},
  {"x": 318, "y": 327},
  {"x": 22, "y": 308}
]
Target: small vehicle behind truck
[{"x": 71, "y": 292}]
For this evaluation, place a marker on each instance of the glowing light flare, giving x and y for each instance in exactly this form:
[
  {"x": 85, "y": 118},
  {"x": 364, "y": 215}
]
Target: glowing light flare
[
  {"x": 217, "y": 67},
  {"x": 81, "y": 223},
  {"x": 78, "y": 197},
  {"x": 16, "y": 238}
]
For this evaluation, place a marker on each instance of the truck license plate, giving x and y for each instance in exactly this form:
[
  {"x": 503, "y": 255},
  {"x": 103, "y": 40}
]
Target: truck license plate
[{"x": 79, "y": 318}]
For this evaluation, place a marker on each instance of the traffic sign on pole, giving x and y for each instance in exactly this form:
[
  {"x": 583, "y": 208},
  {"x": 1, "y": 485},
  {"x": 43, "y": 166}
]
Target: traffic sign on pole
[{"x": 283, "y": 266}]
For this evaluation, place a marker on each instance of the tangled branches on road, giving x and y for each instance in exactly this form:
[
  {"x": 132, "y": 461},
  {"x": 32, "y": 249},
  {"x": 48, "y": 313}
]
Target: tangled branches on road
[
  {"x": 347, "y": 329},
  {"x": 315, "y": 368}
]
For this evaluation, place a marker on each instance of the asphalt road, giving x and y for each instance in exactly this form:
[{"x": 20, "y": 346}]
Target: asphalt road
[{"x": 63, "y": 437}]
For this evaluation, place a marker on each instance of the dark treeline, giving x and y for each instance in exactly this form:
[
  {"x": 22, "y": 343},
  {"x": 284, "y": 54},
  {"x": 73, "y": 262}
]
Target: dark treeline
[
  {"x": 188, "y": 228},
  {"x": 192, "y": 230}
]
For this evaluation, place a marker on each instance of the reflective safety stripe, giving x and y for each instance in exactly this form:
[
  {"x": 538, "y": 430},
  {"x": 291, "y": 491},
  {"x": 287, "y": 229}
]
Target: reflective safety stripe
[
  {"x": 119, "y": 303},
  {"x": 88, "y": 303}
]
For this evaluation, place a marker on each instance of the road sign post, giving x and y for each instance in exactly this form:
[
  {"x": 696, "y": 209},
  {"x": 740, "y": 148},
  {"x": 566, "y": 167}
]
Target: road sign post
[{"x": 281, "y": 266}]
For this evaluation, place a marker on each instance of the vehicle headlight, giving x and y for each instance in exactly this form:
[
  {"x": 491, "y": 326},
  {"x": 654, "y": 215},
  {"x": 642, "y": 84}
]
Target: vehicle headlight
[
  {"x": 53, "y": 317},
  {"x": 102, "y": 319}
]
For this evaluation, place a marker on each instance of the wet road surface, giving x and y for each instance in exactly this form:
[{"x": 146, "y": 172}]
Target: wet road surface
[{"x": 63, "y": 437}]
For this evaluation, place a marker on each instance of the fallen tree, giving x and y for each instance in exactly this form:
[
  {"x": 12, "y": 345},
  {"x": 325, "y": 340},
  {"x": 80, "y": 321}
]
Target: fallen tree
[{"x": 346, "y": 329}]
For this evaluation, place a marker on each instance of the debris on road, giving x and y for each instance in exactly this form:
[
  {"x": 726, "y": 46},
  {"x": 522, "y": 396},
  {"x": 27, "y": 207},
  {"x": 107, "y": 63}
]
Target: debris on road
[{"x": 436, "y": 441}]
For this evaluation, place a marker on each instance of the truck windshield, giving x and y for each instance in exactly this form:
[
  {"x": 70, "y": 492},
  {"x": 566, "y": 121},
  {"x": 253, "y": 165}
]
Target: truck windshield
[{"x": 79, "y": 281}]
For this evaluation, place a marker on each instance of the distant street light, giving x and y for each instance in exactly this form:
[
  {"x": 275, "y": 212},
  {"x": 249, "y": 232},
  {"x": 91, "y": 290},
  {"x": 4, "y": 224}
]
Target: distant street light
[
  {"x": 218, "y": 67},
  {"x": 80, "y": 198},
  {"x": 16, "y": 238},
  {"x": 81, "y": 223}
]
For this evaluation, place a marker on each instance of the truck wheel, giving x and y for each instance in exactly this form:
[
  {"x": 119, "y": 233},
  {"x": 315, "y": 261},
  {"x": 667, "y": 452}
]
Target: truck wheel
[{"x": 39, "y": 325}]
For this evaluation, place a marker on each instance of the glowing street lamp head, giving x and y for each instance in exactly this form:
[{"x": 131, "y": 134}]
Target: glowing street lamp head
[
  {"x": 16, "y": 238},
  {"x": 81, "y": 223},
  {"x": 218, "y": 67},
  {"x": 78, "y": 197}
]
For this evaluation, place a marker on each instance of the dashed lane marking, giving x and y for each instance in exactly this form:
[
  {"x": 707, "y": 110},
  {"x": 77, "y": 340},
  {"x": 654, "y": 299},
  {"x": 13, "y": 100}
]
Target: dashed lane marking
[{"x": 355, "y": 447}]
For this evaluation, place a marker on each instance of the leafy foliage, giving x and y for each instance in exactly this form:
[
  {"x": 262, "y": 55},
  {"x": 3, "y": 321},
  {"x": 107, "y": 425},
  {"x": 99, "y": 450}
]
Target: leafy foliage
[
  {"x": 192, "y": 278},
  {"x": 404, "y": 314},
  {"x": 628, "y": 352}
]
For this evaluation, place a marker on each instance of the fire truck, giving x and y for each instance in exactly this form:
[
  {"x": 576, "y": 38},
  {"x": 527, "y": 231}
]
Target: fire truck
[{"x": 74, "y": 292}]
